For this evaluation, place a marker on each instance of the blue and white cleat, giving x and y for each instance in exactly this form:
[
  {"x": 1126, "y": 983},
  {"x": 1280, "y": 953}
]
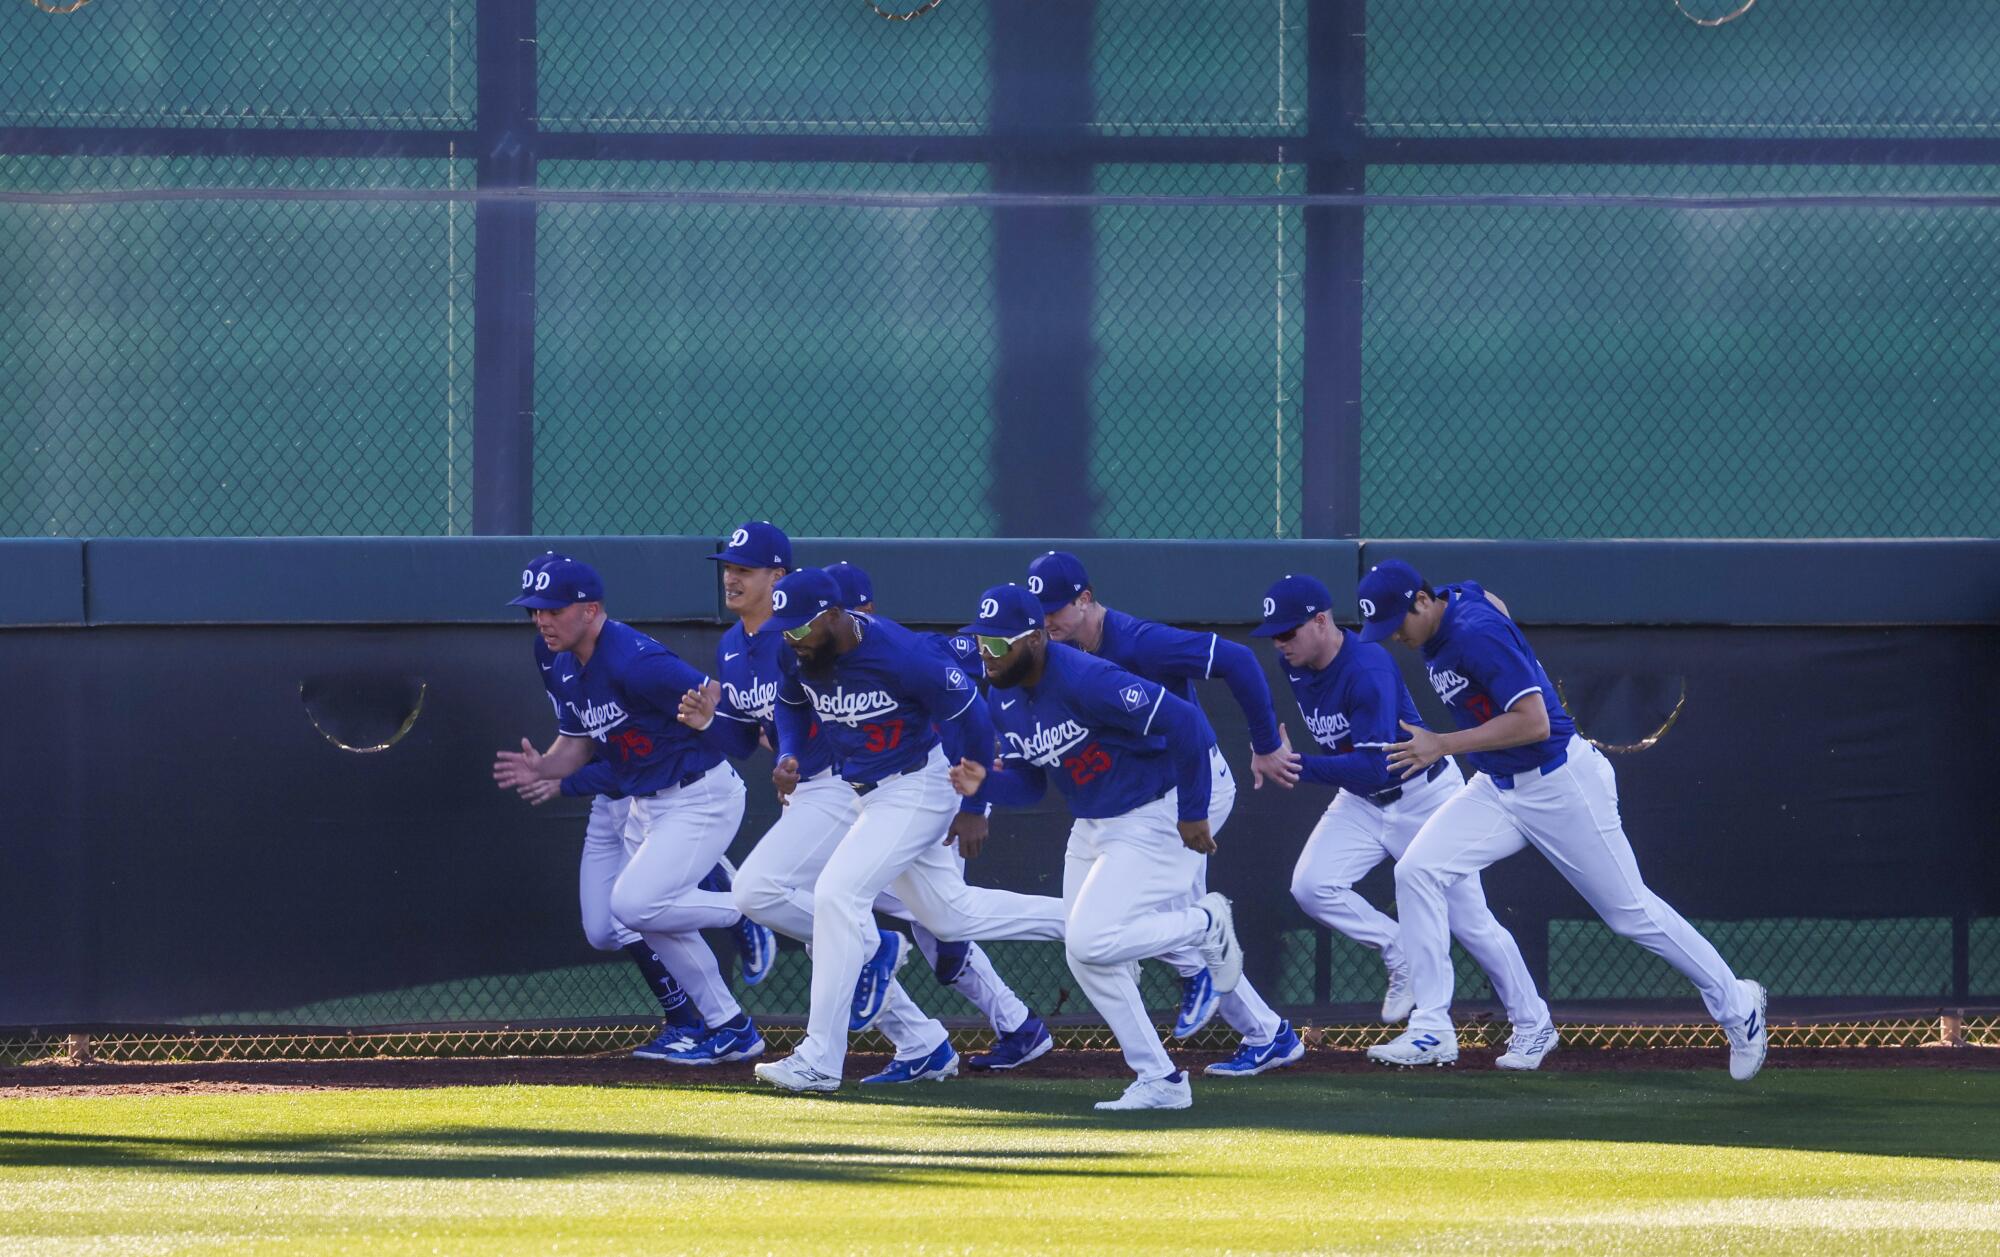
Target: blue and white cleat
[
  {"x": 872, "y": 990},
  {"x": 1017, "y": 1047},
  {"x": 728, "y": 1043},
  {"x": 949, "y": 964},
  {"x": 793, "y": 1074},
  {"x": 671, "y": 1039},
  {"x": 938, "y": 1066},
  {"x": 1750, "y": 1041},
  {"x": 1527, "y": 1049},
  {"x": 1171, "y": 1092},
  {"x": 1253, "y": 1059},
  {"x": 1417, "y": 1047},
  {"x": 759, "y": 949},
  {"x": 1199, "y": 1000},
  {"x": 1219, "y": 948}
]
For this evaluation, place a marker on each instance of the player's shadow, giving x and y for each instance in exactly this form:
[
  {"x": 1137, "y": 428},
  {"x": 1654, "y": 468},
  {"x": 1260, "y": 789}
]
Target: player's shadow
[{"x": 486, "y": 1152}]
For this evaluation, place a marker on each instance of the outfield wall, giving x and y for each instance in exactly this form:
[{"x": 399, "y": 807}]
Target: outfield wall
[{"x": 187, "y": 843}]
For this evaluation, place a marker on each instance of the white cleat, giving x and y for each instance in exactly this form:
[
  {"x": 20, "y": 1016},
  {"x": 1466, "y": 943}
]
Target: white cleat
[
  {"x": 1401, "y": 998},
  {"x": 1527, "y": 1049},
  {"x": 1171, "y": 1092},
  {"x": 1416, "y": 1047},
  {"x": 1219, "y": 948},
  {"x": 1749, "y": 1041},
  {"x": 793, "y": 1074}
]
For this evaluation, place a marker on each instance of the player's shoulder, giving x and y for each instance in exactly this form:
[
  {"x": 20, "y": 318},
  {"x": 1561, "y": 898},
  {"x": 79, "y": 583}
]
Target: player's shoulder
[{"x": 734, "y": 638}]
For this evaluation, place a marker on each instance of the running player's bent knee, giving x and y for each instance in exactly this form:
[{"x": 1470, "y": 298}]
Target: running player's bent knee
[
  {"x": 603, "y": 935},
  {"x": 1418, "y": 876},
  {"x": 629, "y": 907},
  {"x": 1092, "y": 945}
]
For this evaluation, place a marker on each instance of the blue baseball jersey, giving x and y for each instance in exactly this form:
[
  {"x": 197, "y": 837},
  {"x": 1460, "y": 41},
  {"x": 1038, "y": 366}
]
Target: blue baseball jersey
[
  {"x": 752, "y": 668},
  {"x": 1480, "y": 665},
  {"x": 1111, "y": 741},
  {"x": 594, "y": 777},
  {"x": 626, "y": 700},
  {"x": 878, "y": 704},
  {"x": 1176, "y": 658},
  {"x": 963, "y": 650},
  {"x": 1358, "y": 697}
]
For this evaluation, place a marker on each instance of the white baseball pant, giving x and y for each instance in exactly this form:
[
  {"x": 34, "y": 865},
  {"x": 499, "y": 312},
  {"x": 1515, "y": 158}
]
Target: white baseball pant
[
  {"x": 1570, "y": 815},
  {"x": 680, "y": 833},
  {"x": 1243, "y": 1008},
  {"x": 897, "y": 843},
  {"x": 605, "y": 855},
  {"x": 1353, "y": 836},
  {"x": 775, "y": 888},
  {"x": 1125, "y": 882}
]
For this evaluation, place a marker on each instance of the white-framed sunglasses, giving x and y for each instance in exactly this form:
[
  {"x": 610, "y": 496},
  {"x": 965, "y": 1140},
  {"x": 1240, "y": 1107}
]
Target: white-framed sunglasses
[{"x": 997, "y": 647}]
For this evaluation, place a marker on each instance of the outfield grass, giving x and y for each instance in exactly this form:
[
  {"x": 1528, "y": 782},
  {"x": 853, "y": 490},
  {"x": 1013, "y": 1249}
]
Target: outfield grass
[{"x": 1865, "y": 1161}]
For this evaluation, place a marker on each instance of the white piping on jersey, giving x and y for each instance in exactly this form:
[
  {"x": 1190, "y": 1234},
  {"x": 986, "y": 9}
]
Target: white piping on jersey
[
  {"x": 1156, "y": 711},
  {"x": 1209, "y": 671},
  {"x": 1509, "y": 704}
]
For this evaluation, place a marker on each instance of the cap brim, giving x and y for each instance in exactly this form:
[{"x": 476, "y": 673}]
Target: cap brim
[
  {"x": 538, "y": 602},
  {"x": 1271, "y": 628},
  {"x": 1378, "y": 630},
  {"x": 742, "y": 560},
  {"x": 785, "y": 622}
]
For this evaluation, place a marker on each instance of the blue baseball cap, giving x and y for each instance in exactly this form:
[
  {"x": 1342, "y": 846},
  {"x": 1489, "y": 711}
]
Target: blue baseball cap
[
  {"x": 759, "y": 543},
  {"x": 1057, "y": 578},
  {"x": 800, "y": 597},
  {"x": 1006, "y": 611},
  {"x": 1387, "y": 593},
  {"x": 855, "y": 587},
  {"x": 555, "y": 581},
  {"x": 1291, "y": 602}
]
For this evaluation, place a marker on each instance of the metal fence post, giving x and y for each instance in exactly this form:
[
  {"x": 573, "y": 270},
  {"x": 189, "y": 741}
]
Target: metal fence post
[
  {"x": 503, "y": 398},
  {"x": 1335, "y": 106}
]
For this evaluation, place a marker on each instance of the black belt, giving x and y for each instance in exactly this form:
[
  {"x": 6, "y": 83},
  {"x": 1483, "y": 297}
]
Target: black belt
[
  {"x": 1395, "y": 793},
  {"x": 868, "y": 787},
  {"x": 684, "y": 782}
]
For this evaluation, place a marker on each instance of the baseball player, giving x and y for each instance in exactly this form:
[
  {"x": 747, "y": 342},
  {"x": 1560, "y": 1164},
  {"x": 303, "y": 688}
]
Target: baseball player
[
  {"x": 1176, "y": 659},
  {"x": 1351, "y": 697},
  {"x": 1537, "y": 784},
  {"x": 605, "y": 855},
  {"x": 888, "y": 705},
  {"x": 1019, "y": 1035},
  {"x": 618, "y": 693},
  {"x": 1132, "y": 762}
]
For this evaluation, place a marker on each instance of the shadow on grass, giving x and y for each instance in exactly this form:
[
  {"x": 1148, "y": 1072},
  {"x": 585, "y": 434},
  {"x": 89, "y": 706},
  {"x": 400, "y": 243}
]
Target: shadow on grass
[{"x": 487, "y": 1152}]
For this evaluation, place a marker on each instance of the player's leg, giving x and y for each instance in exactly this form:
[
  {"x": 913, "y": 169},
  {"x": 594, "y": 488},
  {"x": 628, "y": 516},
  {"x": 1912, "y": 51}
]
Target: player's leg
[
  {"x": 1470, "y": 831},
  {"x": 933, "y": 887},
  {"x": 964, "y": 968},
  {"x": 684, "y": 832},
  {"x": 1571, "y": 815},
  {"x": 1348, "y": 841},
  {"x": 604, "y": 857}
]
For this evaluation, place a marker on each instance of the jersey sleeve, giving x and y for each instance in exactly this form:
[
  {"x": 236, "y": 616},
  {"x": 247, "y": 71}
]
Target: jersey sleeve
[
  {"x": 1497, "y": 660},
  {"x": 595, "y": 777},
  {"x": 794, "y": 717},
  {"x": 1374, "y": 699},
  {"x": 660, "y": 677},
  {"x": 1163, "y": 650},
  {"x": 1238, "y": 668},
  {"x": 1116, "y": 699}
]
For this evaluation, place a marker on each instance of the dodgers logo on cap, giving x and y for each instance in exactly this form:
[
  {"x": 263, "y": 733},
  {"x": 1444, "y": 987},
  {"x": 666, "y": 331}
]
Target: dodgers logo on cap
[
  {"x": 1006, "y": 611},
  {"x": 1290, "y": 602},
  {"x": 1057, "y": 578},
  {"x": 1387, "y": 592},
  {"x": 558, "y": 582},
  {"x": 800, "y": 597},
  {"x": 758, "y": 543}
]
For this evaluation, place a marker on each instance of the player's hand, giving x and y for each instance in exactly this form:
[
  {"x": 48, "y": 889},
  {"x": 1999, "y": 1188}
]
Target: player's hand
[
  {"x": 1408, "y": 758},
  {"x": 539, "y": 791},
  {"x": 785, "y": 776},
  {"x": 968, "y": 830},
  {"x": 967, "y": 776},
  {"x": 514, "y": 769},
  {"x": 698, "y": 706},
  {"x": 1195, "y": 836},
  {"x": 1280, "y": 766}
]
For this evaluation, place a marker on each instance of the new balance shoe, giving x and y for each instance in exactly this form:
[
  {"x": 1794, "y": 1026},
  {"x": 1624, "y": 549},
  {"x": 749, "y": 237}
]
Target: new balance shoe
[
  {"x": 759, "y": 949},
  {"x": 872, "y": 990},
  {"x": 1018, "y": 1046},
  {"x": 1199, "y": 1000},
  {"x": 937, "y": 1066},
  {"x": 671, "y": 1039},
  {"x": 735, "y": 1042},
  {"x": 1750, "y": 1041},
  {"x": 793, "y": 1074},
  {"x": 1219, "y": 947},
  {"x": 1526, "y": 1049},
  {"x": 1253, "y": 1058},
  {"x": 1416, "y": 1047},
  {"x": 1171, "y": 1092},
  {"x": 950, "y": 961},
  {"x": 1401, "y": 998}
]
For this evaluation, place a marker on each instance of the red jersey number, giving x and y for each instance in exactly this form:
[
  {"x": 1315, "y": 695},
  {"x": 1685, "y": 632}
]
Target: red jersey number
[
  {"x": 884, "y": 736},
  {"x": 1088, "y": 764},
  {"x": 632, "y": 744},
  {"x": 1480, "y": 707}
]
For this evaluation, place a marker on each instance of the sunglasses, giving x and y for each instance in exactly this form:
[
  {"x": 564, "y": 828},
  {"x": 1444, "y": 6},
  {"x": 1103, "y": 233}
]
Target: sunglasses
[
  {"x": 997, "y": 647},
  {"x": 803, "y": 631},
  {"x": 1285, "y": 636}
]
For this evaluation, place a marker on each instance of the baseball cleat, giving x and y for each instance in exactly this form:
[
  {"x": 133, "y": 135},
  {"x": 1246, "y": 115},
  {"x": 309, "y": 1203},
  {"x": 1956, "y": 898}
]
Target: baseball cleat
[
  {"x": 1018, "y": 1046},
  {"x": 1219, "y": 946},
  {"x": 949, "y": 964},
  {"x": 1416, "y": 1047},
  {"x": 872, "y": 990},
  {"x": 759, "y": 948},
  {"x": 671, "y": 1039},
  {"x": 1171, "y": 1092},
  {"x": 1253, "y": 1059},
  {"x": 937, "y": 1066},
  {"x": 728, "y": 1043},
  {"x": 1749, "y": 1041},
  {"x": 1199, "y": 1000},
  {"x": 1401, "y": 998},
  {"x": 720, "y": 879},
  {"x": 793, "y": 1074},
  {"x": 1526, "y": 1049}
]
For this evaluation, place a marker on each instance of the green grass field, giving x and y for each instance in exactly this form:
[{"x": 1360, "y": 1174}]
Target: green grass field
[{"x": 1863, "y": 1161}]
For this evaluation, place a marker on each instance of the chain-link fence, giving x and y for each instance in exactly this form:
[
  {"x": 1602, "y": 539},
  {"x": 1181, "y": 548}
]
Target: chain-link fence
[{"x": 723, "y": 318}]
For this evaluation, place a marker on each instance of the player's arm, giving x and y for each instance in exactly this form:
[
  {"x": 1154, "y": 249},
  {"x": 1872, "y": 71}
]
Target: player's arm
[
  {"x": 596, "y": 777},
  {"x": 1503, "y": 670},
  {"x": 1009, "y": 783},
  {"x": 794, "y": 718},
  {"x": 1376, "y": 698},
  {"x": 514, "y": 769},
  {"x": 1124, "y": 701},
  {"x": 720, "y": 724}
]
